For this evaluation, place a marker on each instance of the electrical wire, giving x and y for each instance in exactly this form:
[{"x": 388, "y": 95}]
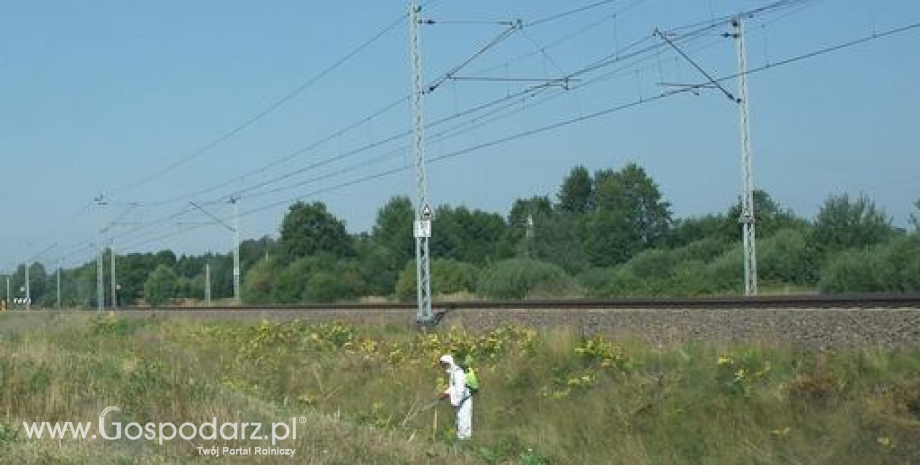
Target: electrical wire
[
  {"x": 579, "y": 119},
  {"x": 327, "y": 161},
  {"x": 445, "y": 76},
  {"x": 564, "y": 14},
  {"x": 512, "y": 26},
  {"x": 593, "y": 115},
  {"x": 267, "y": 110}
]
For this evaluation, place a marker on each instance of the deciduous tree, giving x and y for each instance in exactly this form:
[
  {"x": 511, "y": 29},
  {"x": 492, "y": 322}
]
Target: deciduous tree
[
  {"x": 630, "y": 216},
  {"x": 845, "y": 223},
  {"x": 472, "y": 236},
  {"x": 576, "y": 191},
  {"x": 161, "y": 285},
  {"x": 309, "y": 229}
]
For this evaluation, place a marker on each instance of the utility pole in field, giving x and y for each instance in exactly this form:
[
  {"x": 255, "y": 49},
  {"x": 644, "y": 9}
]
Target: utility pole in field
[
  {"x": 117, "y": 221},
  {"x": 112, "y": 265},
  {"x": 746, "y": 219},
  {"x": 207, "y": 284},
  {"x": 100, "y": 273},
  {"x": 28, "y": 290},
  {"x": 236, "y": 249},
  {"x": 28, "y": 285},
  {"x": 423, "y": 213},
  {"x": 749, "y": 240},
  {"x": 235, "y": 229},
  {"x": 59, "y": 285}
]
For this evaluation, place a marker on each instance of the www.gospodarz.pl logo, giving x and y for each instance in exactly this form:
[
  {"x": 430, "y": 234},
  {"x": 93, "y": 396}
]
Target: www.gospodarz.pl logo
[{"x": 167, "y": 431}]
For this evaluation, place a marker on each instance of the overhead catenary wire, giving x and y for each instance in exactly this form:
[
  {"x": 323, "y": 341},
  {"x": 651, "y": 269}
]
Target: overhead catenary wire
[
  {"x": 196, "y": 194},
  {"x": 285, "y": 158},
  {"x": 717, "y": 22},
  {"x": 518, "y": 136},
  {"x": 512, "y": 26},
  {"x": 805, "y": 5},
  {"x": 433, "y": 139},
  {"x": 561, "y": 40},
  {"x": 254, "y": 192},
  {"x": 173, "y": 216},
  {"x": 273, "y": 106},
  {"x": 361, "y": 149},
  {"x": 267, "y": 110},
  {"x": 69, "y": 220},
  {"x": 696, "y": 65},
  {"x": 511, "y": 29},
  {"x": 444, "y": 76},
  {"x": 571, "y": 121},
  {"x": 571, "y": 12},
  {"x": 597, "y": 66}
]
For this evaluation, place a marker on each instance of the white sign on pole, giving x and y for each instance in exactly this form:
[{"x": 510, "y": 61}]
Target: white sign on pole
[{"x": 422, "y": 228}]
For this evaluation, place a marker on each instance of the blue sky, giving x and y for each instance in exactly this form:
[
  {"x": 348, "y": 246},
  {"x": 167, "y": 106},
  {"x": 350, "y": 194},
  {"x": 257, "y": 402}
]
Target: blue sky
[{"x": 101, "y": 97}]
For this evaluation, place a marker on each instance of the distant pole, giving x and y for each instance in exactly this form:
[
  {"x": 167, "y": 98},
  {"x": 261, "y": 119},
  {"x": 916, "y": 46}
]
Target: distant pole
[
  {"x": 100, "y": 289},
  {"x": 100, "y": 273},
  {"x": 114, "y": 289},
  {"x": 207, "y": 284},
  {"x": 747, "y": 170},
  {"x": 236, "y": 241},
  {"x": 236, "y": 249},
  {"x": 8, "y": 300},
  {"x": 28, "y": 289},
  {"x": 423, "y": 214},
  {"x": 59, "y": 285}
]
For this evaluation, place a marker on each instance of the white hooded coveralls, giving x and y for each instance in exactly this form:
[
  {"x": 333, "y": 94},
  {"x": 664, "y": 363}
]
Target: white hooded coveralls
[{"x": 460, "y": 397}]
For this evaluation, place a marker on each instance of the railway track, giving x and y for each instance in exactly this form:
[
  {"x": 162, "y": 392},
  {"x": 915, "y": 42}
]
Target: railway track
[
  {"x": 864, "y": 301},
  {"x": 890, "y": 320}
]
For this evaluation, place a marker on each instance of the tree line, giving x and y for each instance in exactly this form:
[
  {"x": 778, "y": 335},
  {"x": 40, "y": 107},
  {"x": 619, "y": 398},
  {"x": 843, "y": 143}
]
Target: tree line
[{"x": 604, "y": 234}]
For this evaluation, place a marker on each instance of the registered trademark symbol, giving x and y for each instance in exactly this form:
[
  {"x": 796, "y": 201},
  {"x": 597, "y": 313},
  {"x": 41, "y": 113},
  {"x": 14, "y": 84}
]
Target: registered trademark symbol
[{"x": 303, "y": 420}]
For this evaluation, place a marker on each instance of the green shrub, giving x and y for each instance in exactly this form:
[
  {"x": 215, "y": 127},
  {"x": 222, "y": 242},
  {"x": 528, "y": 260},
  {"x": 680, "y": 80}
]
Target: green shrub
[
  {"x": 290, "y": 282},
  {"x": 595, "y": 280},
  {"x": 706, "y": 249},
  {"x": 845, "y": 223},
  {"x": 691, "y": 278},
  {"x": 259, "y": 281},
  {"x": 847, "y": 272},
  {"x": 518, "y": 278},
  {"x": 342, "y": 282},
  {"x": 321, "y": 278},
  {"x": 892, "y": 267},
  {"x": 161, "y": 286},
  {"x": 727, "y": 271},
  {"x": 788, "y": 258},
  {"x": 447, "y": 277},
  {"x": 623, "y": 283},
  {"x": 655, "y": 264}
]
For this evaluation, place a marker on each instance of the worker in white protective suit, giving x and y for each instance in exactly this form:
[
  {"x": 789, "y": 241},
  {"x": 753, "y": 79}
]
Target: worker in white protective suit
[{"x": 460, "y": 396}]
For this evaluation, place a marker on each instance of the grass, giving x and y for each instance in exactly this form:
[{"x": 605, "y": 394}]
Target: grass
[{"x": 546, "y": 398}]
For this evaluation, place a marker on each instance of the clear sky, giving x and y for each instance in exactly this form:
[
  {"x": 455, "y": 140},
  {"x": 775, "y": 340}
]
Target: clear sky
[{"x": 154, "y": 105}]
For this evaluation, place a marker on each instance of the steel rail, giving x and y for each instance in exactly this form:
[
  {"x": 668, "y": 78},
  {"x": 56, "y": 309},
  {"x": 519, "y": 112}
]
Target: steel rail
[{"x": 910, "y": 300}]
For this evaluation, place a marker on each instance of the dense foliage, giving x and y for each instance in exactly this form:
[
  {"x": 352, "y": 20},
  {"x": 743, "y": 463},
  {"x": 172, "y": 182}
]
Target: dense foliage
[{"x": 607, "y": 233}]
